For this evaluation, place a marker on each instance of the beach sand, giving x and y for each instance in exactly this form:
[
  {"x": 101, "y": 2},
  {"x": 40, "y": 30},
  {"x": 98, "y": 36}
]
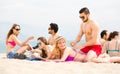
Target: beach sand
[{"x": 16, "y": 66}]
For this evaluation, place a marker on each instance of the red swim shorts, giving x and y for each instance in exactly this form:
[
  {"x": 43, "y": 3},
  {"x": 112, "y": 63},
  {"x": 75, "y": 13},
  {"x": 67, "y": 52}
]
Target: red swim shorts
[{"x": 96, "y": 48}]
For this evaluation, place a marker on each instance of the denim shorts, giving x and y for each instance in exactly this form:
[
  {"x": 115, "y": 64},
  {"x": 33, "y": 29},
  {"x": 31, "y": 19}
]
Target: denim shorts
[{"x": 11, "y": 54}]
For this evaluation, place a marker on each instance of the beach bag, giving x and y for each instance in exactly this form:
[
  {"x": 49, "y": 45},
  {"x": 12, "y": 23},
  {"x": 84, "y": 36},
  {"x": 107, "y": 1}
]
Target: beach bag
[{"x": 20, "y": 56}]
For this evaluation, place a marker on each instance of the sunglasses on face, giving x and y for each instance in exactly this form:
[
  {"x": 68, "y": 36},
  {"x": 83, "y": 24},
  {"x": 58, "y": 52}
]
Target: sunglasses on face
[
  {"x": 82, "y": 17},
  {"x": 17, "y": 29},
  {"x": 49, "y": 29}
]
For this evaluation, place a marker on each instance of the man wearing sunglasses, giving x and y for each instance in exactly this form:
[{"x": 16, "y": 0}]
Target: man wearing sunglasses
[
  {"x": 53, "y": 29},
  {"x": 91, "y": 49}
]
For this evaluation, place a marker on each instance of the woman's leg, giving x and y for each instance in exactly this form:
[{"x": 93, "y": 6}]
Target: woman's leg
[
  {"x": 24, "y": 49},
  {"x": 79, "y": 57},
  {"x": 92, "y": 57},
  {"x": 115, "y": 59}
]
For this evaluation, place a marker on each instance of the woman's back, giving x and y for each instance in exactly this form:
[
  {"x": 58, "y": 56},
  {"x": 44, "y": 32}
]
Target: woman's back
[{"x": 113, "y": 48}]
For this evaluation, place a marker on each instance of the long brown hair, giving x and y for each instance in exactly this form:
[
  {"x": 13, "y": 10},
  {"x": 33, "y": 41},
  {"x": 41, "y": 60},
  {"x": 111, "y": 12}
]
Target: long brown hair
[
  {"x": 11, "y": 30},
  {"x": 112, "y": 35},
  {"x": 43, "y": 39},
  {"x": 44, "y": 52}
]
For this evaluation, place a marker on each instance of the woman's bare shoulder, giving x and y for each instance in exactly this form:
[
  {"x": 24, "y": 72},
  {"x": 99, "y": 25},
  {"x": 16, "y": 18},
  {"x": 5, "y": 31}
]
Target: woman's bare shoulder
[{"x": 11, "y": 37}]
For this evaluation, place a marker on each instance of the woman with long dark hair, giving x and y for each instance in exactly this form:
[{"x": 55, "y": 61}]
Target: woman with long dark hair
[
  {"x": 12, "y": 40},
  {"x": 43, "y": 50},
  {"x": 112, "y": 46}
]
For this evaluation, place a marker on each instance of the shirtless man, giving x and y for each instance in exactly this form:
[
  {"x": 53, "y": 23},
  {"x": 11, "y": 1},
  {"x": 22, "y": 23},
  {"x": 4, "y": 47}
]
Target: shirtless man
[
  {"x": 53, "y": 29},
  {"x": 91, "y": 49},
  {"x": 104, "y": 37}
]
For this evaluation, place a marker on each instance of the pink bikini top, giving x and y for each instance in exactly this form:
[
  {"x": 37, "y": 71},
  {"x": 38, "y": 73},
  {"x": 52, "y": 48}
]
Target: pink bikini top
[{"x": 11, "y": 42}]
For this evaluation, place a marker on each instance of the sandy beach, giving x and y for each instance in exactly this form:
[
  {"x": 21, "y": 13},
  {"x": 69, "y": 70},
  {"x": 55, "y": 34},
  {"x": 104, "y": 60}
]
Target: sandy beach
[{"x": 15, "y": 66}]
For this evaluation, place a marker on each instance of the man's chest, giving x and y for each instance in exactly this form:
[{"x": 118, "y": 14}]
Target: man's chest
[{"x": 87, "y": 29}]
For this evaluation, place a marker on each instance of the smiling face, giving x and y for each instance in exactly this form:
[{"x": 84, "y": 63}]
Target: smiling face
[{"x": 61, "y": 44}]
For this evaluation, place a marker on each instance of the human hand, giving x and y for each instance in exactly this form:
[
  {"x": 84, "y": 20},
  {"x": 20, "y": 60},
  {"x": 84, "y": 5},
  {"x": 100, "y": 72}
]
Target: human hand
[
  {"x": 77, "y": 46},
  {"x": 72, "y": 43},
  {"x": 31, "y": 37},
  {"x": 32, "y": 51}
]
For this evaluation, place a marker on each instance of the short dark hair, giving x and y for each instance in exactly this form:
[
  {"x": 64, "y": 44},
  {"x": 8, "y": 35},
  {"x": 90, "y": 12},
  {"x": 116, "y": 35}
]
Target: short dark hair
[
  {"x": 104, "y": 32},
  {"x": 84, "y": 10},
  {"x": 54, "y": 27}
]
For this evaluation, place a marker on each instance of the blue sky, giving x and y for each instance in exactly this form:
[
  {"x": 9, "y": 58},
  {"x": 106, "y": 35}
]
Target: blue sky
[{"x": 34, "y": 16}]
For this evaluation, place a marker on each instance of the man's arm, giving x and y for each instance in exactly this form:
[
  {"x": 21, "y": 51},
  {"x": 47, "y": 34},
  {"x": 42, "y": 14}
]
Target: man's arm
[
  {"x": 93, "y": 40},
  {"x": 78, "y": 38}
]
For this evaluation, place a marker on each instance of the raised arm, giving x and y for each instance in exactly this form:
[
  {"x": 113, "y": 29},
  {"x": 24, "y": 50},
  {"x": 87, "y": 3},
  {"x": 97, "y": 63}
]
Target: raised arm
[
  {"x": 78, "y": 38},
  {"x": 19, "y": 42}
]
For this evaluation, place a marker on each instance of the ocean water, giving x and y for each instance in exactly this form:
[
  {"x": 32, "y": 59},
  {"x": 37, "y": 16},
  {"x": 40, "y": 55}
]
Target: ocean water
[
  {"x": 33, "y": 43},
  {"x": 2, "y": 47}
]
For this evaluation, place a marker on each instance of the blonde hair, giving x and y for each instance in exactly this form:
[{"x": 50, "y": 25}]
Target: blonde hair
[{"x": 58, "y": 53}]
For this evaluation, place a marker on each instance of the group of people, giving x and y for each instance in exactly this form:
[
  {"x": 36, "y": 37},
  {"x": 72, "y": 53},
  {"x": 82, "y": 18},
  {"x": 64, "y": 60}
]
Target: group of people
[
  {"x": 56, "y": 49},
  {"x": 110, "y": 43}
]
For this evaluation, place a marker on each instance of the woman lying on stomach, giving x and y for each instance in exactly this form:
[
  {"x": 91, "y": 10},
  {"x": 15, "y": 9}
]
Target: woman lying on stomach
[
  {"x": 63, "y": 53},
  {"x": 42, "y": 51}
]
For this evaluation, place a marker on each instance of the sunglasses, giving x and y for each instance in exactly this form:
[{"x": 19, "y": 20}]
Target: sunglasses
[
  {"x": 49, "y": 29},
  {"x": 82, "y": 17},
  {"x": 17, "y": 29}
]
